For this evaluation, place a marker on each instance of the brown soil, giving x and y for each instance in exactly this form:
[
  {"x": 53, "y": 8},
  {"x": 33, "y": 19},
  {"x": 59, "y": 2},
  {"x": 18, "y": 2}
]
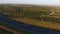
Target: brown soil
[{"x": 44, "y": 24}]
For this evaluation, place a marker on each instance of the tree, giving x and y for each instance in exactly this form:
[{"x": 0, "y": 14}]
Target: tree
[{"x": 20, "y": 12}]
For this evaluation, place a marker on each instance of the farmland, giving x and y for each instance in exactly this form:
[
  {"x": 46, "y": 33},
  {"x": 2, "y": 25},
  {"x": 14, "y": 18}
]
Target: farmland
[
  {"x": 37, "y": 13},
  {"x": 32, "y": 12}
]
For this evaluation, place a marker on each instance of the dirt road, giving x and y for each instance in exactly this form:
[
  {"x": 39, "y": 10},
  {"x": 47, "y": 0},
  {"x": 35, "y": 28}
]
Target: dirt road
[
  {"x": 44, "y": 24},
  {"x": 3, "y": 27}
]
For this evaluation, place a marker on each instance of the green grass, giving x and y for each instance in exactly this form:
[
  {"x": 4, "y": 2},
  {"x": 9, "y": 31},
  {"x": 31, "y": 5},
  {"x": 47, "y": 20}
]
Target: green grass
[
  {"x": 36, "y": 16},
  {"x": 57, "y": 20}
]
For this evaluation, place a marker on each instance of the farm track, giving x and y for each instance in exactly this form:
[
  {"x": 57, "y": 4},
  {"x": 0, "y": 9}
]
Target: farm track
[{"x": 44, "y": 24}]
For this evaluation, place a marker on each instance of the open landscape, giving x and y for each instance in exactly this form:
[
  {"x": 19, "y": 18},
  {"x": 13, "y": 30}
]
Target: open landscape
[{"x": 41, "y": 16}]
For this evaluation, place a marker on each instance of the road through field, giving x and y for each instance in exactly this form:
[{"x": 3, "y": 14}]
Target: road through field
[
  {"x": 25, "y": 27},
  {"x": 44, "y": 24}
]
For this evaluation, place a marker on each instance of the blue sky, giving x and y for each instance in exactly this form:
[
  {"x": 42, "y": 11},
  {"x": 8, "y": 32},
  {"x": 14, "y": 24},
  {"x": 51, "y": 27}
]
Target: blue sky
[{"x": 35, "y": 2}]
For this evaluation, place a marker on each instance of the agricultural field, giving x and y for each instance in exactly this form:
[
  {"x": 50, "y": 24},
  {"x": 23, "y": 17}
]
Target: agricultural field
[
  {"x": 41, "y": 16},
  {"x": 33, "y": 12}
]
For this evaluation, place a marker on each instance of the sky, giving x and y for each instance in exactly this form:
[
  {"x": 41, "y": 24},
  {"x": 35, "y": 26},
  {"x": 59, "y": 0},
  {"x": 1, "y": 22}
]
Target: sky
[{"x": 34, "y": 2}]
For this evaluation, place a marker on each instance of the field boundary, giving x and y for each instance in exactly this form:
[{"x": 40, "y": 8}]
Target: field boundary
[{"x": 44, "y": 24}]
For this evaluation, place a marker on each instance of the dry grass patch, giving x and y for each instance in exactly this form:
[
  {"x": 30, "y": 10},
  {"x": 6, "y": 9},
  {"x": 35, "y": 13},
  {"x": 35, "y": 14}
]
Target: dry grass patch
[{"x": 45, "y": 24}]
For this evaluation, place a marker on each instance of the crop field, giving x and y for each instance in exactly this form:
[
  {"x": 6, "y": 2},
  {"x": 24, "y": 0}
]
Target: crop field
[
  {"x": 47, "y": 17},
  {"x": 36, "y": 16}
]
